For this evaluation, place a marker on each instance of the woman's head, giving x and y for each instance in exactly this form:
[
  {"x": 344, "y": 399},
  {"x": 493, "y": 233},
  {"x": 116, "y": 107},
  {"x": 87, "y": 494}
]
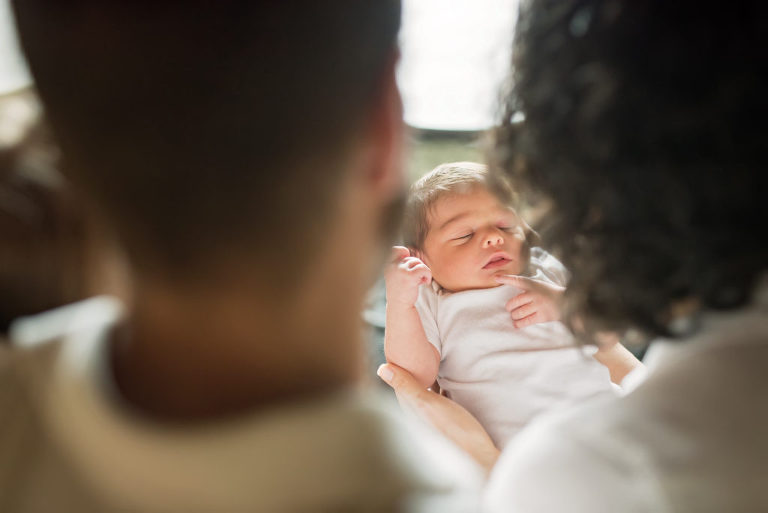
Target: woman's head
[{"x": 645, "y": 131}]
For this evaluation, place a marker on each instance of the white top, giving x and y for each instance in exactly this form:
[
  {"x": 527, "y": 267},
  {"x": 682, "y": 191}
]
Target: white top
[
  {"x": 693, "y": 437},
  {"x": 67, "y": 444},
  {"x": 506, "y": 376}
]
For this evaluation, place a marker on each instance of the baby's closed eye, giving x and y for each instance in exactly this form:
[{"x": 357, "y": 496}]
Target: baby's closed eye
[{"x": 463, "y": 238}]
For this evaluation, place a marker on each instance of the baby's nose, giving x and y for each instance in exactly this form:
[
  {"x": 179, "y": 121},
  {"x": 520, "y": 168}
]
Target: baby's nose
[{"x": 493, "y": 239}]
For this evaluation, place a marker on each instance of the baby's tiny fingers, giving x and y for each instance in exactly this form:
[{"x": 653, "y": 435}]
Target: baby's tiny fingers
[
  {"x": 506, "y": 279},
  {"x": 399, "y": 253},
  {"x": 523, "y": 311},
  {"x": 412, "y": 262},
  {"x": 518, "y": 301},
  {"x": 521, "y": 282},
  {"x": 527, "y": 321}
]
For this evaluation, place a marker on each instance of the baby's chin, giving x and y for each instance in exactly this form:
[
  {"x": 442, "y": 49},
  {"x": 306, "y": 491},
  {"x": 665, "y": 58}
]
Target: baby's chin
[
  {"x": 487, "y": 281},
  {"x": 514, "y": 267},
  {"x": 484, "y": 280},
  {"x": 474, "y": 286}
]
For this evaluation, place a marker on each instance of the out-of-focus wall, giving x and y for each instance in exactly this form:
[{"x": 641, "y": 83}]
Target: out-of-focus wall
[{"x": 13, "y": 69}]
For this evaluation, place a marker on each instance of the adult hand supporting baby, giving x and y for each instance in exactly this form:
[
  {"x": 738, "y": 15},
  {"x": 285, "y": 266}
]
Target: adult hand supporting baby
[
  {"x": 448, "y": 417},
  {"x": 539, "y": 301}
]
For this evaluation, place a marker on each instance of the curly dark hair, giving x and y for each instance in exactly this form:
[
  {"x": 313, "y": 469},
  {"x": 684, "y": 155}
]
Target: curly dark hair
[{"x": 645, "y": 132}]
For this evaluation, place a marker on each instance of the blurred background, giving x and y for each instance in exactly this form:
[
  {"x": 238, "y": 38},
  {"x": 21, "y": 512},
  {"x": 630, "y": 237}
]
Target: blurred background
[{"x": 455, "y": 57}]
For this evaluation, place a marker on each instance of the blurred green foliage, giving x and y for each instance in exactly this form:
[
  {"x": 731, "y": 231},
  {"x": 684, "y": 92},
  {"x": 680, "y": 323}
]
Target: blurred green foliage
[{"x": 429, "y": 148}]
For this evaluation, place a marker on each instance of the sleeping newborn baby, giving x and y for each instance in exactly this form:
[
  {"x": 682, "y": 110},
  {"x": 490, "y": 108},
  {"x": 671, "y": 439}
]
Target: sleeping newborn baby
[{"x": 458, "y": 312}]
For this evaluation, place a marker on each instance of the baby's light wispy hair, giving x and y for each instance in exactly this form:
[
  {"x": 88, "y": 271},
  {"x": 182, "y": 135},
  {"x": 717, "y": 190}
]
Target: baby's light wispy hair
[{"x": 446, "y": 179}]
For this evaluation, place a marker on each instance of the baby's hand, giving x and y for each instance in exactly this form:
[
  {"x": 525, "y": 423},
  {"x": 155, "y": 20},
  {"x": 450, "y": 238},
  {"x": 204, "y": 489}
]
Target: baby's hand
[
  {"x": 539, "y": 301},
  {"x": 403, "y": 276}
]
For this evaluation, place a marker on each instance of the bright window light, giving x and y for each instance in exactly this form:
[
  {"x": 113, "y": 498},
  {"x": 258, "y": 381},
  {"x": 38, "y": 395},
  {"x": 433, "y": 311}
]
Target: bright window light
[
  {"x": 13, "y": 69},
  {"x": 455, "y": 56}
]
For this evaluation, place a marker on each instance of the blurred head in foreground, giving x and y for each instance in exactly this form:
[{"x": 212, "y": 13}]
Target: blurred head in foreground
[
  {"x": 247, "y": 156},
  {"x": 650, "y": 153}
]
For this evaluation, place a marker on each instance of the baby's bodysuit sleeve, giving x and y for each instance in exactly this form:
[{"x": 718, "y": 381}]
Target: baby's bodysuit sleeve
[
  {"x": 426, "y": 306},
  {"x": 546, "y": 267}
]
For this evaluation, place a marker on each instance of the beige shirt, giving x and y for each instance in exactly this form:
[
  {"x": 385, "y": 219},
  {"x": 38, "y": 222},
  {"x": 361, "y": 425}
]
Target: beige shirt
[
  {"x": 692, "y": 437},
  {"x": 67, "y": 444}
]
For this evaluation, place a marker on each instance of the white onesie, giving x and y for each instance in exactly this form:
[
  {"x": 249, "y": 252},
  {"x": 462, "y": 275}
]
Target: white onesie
[{"x": 506, "y": 376}]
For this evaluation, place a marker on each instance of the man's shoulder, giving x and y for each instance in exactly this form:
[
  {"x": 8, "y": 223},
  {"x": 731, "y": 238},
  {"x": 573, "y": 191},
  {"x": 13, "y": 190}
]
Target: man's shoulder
[
  {"x": 351, "y": 451},
  {"x": 389, "y": 455},
  {"x": 28, "y": 364},
  {"x": 23, "y": 374},
  {"x": 24, "y": 379},
  {"x": 61, "y": 323}
]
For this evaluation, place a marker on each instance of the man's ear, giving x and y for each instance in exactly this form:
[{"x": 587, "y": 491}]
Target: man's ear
[{"x": 385, "y": 170}]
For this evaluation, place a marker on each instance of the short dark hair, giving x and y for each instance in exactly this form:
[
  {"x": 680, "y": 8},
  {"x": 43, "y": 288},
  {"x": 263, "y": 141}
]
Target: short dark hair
[
  {"x": 202, "y": 128},
  {"x": 645, "y": 129}
]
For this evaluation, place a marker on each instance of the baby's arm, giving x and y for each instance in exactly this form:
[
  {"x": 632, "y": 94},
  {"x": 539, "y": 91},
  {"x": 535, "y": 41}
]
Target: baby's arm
[
  {"x": 540, "y": 302},
  {"x": 405, "y": 343}
]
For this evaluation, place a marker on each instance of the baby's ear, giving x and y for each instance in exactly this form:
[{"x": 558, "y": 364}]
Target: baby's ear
[{"x": 417, "y": 253}]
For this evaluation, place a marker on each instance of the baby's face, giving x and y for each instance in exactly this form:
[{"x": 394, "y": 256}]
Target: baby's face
[{"x": 472, "y": 238}]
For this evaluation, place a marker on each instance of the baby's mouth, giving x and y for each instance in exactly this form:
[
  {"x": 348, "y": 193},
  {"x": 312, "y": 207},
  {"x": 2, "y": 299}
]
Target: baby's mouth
[{"x": 497, "y": 261}]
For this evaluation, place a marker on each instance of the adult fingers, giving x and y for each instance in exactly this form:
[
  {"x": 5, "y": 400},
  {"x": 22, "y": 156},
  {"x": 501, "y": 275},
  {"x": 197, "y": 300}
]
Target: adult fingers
[
  {"x": 448, "y": 417},
  {"x": 409, "y": 391}
]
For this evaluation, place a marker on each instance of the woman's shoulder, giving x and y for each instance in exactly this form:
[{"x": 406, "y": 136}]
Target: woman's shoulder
[{"x": 585, "y": 459}]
